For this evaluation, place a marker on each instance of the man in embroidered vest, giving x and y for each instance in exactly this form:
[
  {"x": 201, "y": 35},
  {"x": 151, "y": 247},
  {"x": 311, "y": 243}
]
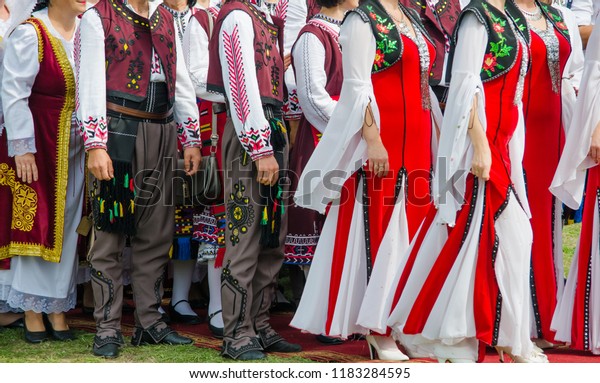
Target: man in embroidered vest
[
  {"x": 134, "y": 99},
  {"x": 439, "y": 18},
  {"x": 246, "y": 66}
]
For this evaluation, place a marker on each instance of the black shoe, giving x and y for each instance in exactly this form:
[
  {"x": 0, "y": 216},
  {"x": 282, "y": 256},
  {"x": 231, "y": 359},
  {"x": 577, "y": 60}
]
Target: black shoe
[
  {"x": 109, "y": 350},
  {"x": 152, "y": 336},
  {"x": 177, "y": 317},
  {"x": 19, "y": 323},
  {"x": 329, "y": 340},
  {"x": 216, "y": 331},
  {"x": 62, "y": 335},
  {"x": 283, "y": 346},
  {"x": 252, "y": 355},
  {"x": 35, "y": 336}
]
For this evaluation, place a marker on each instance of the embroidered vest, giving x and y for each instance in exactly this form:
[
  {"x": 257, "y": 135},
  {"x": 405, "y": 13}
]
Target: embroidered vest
[
  {"x": 556, "y": 18},
  {"x": 502, "y": 49},
  {"x": 387, "y": 38},
  {"x": 129, "y": 39},
  {"x": 439, "y": 26},
  {"x": 203, "y": 19},
  {"x": 268, "y": 45},
  {"x": 333, "y": 55}
]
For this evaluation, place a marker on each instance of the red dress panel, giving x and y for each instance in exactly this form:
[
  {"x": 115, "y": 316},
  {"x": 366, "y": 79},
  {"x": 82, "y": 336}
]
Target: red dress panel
[
  {"x": 544, "y": 141},
  {"x": 502, "y": 117},
  {"x": 405, "y": 130}
]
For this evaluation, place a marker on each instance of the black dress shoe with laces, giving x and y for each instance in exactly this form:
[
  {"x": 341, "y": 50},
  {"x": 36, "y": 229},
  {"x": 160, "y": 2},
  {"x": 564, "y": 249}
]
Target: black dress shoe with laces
[
  {"x": 109, "y": 350},
  {"x": 153, "y": 336},
  {"x": 252, "y": 355}
]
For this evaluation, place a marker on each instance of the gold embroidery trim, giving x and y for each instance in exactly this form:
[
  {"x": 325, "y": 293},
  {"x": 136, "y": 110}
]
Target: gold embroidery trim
[
  {"x": 25, "y": 200},
  {"x": 62, "y": 157}
]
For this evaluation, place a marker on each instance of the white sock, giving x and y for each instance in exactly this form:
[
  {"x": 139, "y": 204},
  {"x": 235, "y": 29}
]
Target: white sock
[
  {"x": 214, "y": 288},
  {"x": 182, "y": 280}
]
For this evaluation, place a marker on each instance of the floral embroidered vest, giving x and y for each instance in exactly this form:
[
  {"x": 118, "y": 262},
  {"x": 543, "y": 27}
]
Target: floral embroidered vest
[
  {"x": 268, "y": 45},
  {"x": 129, "y": 39},
  {"x": 556, "y": 18},
  {"x": 440, "y": 27},
  {"x": 387, "y": 38},
  {"x": 502, "y": 50}
]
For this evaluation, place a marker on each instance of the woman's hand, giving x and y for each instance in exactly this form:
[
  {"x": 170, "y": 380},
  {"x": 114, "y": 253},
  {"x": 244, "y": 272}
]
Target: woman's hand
[
  {"x": 100, "y": 164},
  {"x": 482, "y": 161},
  {"x": 379, "y": 163},
  {"x": 595, "y": 146},
  {"x": 27, "y": 170}
]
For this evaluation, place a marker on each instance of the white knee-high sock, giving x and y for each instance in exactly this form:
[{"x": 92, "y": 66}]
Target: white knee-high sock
[
  {"x": 182, "y": 280},
  {"x": 214, "y": 287}
]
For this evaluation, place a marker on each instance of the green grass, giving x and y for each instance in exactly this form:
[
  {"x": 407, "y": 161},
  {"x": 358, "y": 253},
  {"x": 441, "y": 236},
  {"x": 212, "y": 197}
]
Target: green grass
[
  {"x": 570, "y": 237},
  {"x": 14, "y": 349}
]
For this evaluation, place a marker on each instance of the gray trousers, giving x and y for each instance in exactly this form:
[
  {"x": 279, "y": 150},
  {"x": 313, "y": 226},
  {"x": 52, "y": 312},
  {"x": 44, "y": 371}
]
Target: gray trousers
[
  {"x": 155, "y": 145},
  {"x": 249, "y": 269}
]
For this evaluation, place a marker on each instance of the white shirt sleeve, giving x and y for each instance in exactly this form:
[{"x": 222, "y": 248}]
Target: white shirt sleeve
[
  {"x": 185, "y": 108},
  {"x": 583, "y": 10},
  {"x": 90, "y": 72},
  {"x": 21, "y": 67},
  {"x": 195, "y": 50},
  {"x": 309, "y": 64},
  {"x": 294, "y": 22},
  {"x": 574, "y": 69},
  {"x": 236, "y": 53}
]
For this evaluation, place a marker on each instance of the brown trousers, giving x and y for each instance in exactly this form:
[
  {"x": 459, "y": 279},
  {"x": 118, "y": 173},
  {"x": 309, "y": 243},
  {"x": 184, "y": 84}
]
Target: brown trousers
[
  {"x": 155, "y": 146},
  {"x": 249, "y": 270}
]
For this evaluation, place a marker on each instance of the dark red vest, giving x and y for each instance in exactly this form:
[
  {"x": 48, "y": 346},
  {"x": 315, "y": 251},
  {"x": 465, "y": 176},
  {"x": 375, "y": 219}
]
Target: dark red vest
[
  {"x": 312, "y": 9},
  {"x": 333, "y": 55},
  {"x": 439, "y": 27},
  {"x": 202, "y": 16},
  {"x": 128, "y": 40},
  {"x": 268, "y": 43}
]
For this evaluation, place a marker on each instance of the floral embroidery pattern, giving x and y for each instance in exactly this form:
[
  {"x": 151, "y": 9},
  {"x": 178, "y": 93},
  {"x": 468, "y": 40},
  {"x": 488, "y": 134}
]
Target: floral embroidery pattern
[
  {"x": 240, "y": 213},
  {"x": 256, "y": 142},
  {"x": 291, "y": 107},
  {"x": 556, "y": 19},
  {"x": 94, "y": 131},
  {"x": 237, "y": 77},
  {"x": 25, "y": 200},
  {"x": 385, "y": 44},
  {"x": 189, "y": 132},
  {"x": 497, "y": 49},
  {"x": 135, "y": 71}
]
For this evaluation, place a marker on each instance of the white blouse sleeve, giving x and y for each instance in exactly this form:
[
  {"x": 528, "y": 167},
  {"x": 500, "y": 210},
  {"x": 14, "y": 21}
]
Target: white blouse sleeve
[
  {"x": 90, "y": 72},
  {"x": 236, "y": 53},
  {"x": 309, "y": 64},
  {"x": 574, "y": 68},
  {"x": 569, "y": 180},
  {"x": 195, "y": 49},
  {"x": 294, "y": 22},
  {"x": 185, "y": 108},
  {"x": 342, "y": 150},
  {"x": 21, "y": 67},
  {"x": 455, "y": 152}
]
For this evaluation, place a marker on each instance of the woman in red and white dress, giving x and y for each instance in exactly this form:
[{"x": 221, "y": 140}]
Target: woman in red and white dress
[
  {"x": 383, "y": 118},
  {"x": 577, "y": 317},
  {"x": 548, "y": 100},
  {"x": 466, "y": 279}
]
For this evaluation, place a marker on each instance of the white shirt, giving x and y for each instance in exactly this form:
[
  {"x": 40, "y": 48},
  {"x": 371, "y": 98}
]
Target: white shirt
[
  {"x": 236, "y": 54},
  {"x": 311, "y": 78},
  {"x": 21, "y": 67},
  {"x": 585, "y": 11},
  {"x": 91, "y": 91}
]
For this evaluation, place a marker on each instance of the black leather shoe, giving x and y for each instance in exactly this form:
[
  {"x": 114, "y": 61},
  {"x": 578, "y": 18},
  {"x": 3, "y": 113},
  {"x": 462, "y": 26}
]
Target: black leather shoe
[
  {"x": 109, "y": 350},
  {"x": 252, "y": 355},
  {"x": 62, "y": 335},
  {"x": 164, "y": 336},
  {"x": 35, "y": 336},
  {"x": 329, "y": 340},
  {"x": 216, "y": 331},
  {"x": 283, "y": 346},
  {"x": 176, "y": 317}
]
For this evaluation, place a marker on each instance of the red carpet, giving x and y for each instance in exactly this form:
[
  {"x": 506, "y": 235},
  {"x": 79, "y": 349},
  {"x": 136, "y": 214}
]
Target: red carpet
[{"x": 353, "y": 351}]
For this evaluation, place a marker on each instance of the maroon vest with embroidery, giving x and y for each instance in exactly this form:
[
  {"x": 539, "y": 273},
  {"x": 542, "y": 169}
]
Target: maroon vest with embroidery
[
  {"x": 440, "y": 28},
  {"x": 128, "y": 40},
  {"x": 268, "y": 43},
  {"x": 333, "y": 56}
]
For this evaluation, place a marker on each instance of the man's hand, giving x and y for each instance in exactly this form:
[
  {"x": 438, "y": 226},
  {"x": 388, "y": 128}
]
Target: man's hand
[
  {"x": 192, "y": 158},
  {"x": 268, "y": 170},
  {"x": 27, "y": 170},
  {"x": 100, "y": 164}
]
